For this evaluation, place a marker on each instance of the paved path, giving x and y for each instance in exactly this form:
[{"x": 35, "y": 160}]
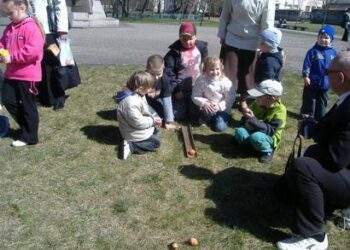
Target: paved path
[{"x": 131, "y": 44}]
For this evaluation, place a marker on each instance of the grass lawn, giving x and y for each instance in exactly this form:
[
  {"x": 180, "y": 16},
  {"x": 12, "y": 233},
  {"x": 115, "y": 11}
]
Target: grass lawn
[{"x": 71, "y": 192}]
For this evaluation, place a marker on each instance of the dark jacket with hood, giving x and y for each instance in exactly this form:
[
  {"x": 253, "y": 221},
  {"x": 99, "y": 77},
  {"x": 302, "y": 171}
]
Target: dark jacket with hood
[
  {"x": 172, "y": 61},
  {"x": 268, "y": 66}
]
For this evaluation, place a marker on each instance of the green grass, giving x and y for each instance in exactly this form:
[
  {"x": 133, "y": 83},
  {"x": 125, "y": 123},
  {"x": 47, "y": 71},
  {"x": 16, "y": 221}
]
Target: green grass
[{"x": 71, "y": 192}]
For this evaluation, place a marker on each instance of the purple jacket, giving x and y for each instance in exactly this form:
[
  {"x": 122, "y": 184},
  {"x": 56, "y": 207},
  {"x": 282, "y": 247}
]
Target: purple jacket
[{"x": 25, "y": 43}]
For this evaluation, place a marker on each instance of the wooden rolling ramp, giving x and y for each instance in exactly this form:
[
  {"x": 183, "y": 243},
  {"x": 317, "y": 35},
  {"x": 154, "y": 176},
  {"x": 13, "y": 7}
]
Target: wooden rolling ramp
[{"x": 189, "y": 147}]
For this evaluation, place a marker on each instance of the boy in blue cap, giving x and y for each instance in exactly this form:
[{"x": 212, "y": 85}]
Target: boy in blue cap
[{"x": 316, "y": 85}]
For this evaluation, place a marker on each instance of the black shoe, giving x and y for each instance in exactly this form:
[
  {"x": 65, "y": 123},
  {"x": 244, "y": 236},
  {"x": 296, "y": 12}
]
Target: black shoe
[
  {"x": 266, "y": 157},
  {"x": 58, "y": 106}
]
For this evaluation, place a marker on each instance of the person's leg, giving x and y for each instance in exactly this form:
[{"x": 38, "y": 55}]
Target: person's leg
[
  {"x": 179, "y": 107},
  {"x": 231, "y": 66},
  {"x": 10, "y": 101},
  {"x": 245, "y": 60},
  {"x": 314, "y": 186},
  {"x": 168, "y": 109},
  {"x": 29, "y": 113},
  {"x": 142, "y": 147},
  {"x": 1, "y": 86},
  {"x": 308, "y": 104},
  {"x": 241, "y": 135},
  {"x": 219, "y": 122},
  {"x": 261, "y": 142},
  {"x": 345, "y": 37},
  {"x": 45, "y": 96},
  {"x": 321, "y": 101}
]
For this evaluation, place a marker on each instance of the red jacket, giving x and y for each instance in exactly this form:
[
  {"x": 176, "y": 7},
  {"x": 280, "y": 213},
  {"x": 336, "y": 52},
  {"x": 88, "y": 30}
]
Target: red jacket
[{"x": 25, "y": 43}]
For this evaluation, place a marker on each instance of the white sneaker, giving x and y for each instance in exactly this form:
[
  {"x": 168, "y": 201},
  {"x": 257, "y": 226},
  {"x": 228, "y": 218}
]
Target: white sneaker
[
  {"x": 18, "y": 143},
  {"x": 300, "y": 243},
  {"x": 124, "y": 150}
]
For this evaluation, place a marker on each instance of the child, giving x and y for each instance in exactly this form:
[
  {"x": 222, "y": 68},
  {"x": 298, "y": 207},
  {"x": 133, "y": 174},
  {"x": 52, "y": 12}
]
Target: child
[
  {"x": 264, "y": 121},
  {"x": 270, "y": 61},
  {"x": 213, "y": 93},
  {"x": 24, "y": 41},
  {"x": 182, "y": 65},
  {"x": 316, "y": 85},
  {"x": 137, "y": 125},
  {"x": 159, "y": 98}
]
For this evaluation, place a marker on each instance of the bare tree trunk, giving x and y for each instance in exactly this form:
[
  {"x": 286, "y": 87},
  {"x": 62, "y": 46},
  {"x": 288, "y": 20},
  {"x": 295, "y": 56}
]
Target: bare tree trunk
[{"x": 144, "y": 6}]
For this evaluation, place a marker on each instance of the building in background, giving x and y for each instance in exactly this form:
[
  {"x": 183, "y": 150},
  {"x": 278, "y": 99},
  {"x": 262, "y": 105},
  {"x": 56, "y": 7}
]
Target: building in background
[{"x": 304, "y": 5}]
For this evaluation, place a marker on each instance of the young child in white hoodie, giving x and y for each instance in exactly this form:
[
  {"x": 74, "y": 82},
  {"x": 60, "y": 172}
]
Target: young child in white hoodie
[
  {"x": 214, "y": 93},
  {"x": 137, "y": 124}
]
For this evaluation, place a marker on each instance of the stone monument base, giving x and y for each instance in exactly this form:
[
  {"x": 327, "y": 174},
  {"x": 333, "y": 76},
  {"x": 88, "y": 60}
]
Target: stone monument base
[{"x": 93, "y": 20}]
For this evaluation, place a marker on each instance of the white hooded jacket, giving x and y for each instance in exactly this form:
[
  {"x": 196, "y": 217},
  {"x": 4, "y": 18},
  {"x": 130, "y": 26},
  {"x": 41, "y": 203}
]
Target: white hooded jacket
[
  {"x": 242, "y": 20},
  {"x": 60, "y": 13}
]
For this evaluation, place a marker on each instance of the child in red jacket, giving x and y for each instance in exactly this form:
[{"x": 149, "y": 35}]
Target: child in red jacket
[{"x": 21, "y": 49}]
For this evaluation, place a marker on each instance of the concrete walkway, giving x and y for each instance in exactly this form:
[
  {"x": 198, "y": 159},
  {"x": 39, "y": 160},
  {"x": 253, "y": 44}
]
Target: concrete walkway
[{"x": 131, "y": 44}]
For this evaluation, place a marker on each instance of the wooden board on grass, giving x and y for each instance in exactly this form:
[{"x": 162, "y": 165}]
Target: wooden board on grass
[{"x": 188, "y": 141}]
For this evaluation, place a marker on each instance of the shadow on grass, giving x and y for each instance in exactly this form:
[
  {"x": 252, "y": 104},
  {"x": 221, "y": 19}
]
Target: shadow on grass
[
  {"x": 243, "y": 200},
  {"x": 109, "y": 135},
  {"x": 224, "y": 145},
  {"x": 110, "y": 115}
]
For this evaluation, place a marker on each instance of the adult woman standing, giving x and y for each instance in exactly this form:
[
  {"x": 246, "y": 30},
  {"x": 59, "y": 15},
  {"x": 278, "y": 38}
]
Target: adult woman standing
[
  {"x": 346, "y": 25},
  {"x": 53, "y": 15},
  {"x": 240, "y": 24}
]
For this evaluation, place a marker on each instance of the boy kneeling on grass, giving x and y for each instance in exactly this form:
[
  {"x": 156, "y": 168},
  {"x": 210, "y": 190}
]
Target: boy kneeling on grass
[
  {"x": 264, "y": 120},
  {"x": 138, "y": 124}
]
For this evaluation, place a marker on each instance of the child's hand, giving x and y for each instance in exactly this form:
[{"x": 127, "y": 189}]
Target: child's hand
[
  {"x": 306, "y": 81},
  {"x": 6, "y": 59},
  {"x": 151, "y": 92},
  {"x": 248, "y": 113},
  {"x": 157, "y": 122},
  {"x": 5, "y": 56},
  {"x": 210, "y": 107}
]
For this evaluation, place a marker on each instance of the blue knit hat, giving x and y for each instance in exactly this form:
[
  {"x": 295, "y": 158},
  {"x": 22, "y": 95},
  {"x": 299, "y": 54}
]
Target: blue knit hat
[
  {"x": 271, "y": 36},
  {"x": 329, "y": 30}
]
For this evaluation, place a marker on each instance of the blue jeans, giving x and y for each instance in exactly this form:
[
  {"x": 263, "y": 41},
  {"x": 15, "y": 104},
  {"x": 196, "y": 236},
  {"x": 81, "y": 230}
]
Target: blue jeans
[
  {"x": 258, "y": 140},
  {"x": 314, "y": 102},
  {"x": 218, "y": 122},
  {"x": 149, "y": 145}
]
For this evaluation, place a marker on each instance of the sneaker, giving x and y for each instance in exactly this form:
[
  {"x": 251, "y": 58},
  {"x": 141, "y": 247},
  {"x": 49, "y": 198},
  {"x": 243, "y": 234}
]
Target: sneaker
[
  {"x": 344, "y": 220},
  {"x": 300, "y": 243},
  {"x": 170, "y": 126},
  {"x": 124, "y": 150},
  {"x": 266, "y": 157},
  {"x": 18, "y": 143}
]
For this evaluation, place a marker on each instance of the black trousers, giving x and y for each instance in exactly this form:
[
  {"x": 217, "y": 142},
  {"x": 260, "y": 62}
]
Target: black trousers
[
  {"x": 345, "y": 37},
  {"x": 50, "y": 92},
  {"x": 20, "y": 102},
  {"x": 316, "y": 192}
]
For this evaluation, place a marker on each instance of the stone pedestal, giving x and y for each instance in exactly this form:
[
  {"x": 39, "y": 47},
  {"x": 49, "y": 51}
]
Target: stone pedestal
[{"x": 97, "y": 18}]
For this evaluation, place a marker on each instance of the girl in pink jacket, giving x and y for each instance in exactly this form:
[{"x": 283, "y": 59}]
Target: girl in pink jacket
[{"x": 21, "y": 49}]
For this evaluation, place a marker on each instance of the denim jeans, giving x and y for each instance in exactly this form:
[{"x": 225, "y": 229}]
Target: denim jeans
[
  {"x": 149, "y": 145},
  {"x": 258, "y": 140},
  {"x": 314, "y": 102},
  {"x": 218, "y": 122}
]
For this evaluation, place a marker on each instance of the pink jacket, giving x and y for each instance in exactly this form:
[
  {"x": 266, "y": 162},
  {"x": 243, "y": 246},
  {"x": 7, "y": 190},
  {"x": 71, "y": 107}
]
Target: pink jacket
[{"x": 25, "y": 43}]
